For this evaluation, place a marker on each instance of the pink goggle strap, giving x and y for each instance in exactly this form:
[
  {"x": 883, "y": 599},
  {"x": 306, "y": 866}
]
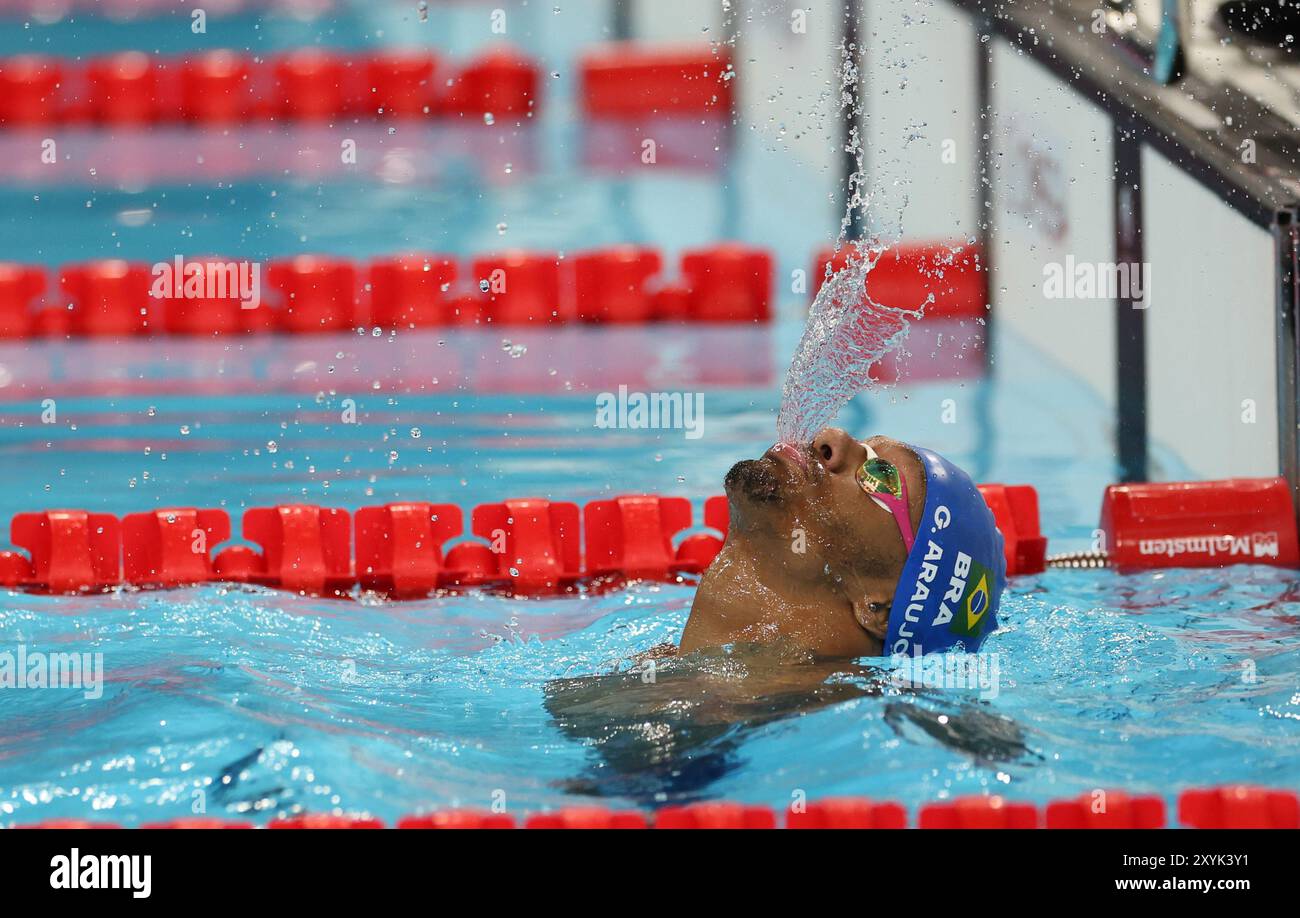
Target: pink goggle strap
[{"x": 898, "y": 507}]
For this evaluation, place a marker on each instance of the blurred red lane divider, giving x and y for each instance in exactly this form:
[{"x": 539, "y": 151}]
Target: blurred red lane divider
[
  {"x": 223, "y": 87},
  {"x": 666, "y": 106},
  {"x": 530, "y": 547},
  {"x": 728, "y": 282},
  {"x": 1228, "y": 806},
  {"x": 946, "y": 278},
  {"x": 631, "y": 79}
]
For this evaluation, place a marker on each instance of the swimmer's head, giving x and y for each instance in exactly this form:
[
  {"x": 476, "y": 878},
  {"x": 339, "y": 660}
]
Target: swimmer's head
[{"x": 820, "y": 553}]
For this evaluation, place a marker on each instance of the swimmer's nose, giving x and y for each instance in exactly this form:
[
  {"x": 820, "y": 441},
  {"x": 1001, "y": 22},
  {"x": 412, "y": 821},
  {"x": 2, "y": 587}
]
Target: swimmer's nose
[{"x": 836, "y": 449}]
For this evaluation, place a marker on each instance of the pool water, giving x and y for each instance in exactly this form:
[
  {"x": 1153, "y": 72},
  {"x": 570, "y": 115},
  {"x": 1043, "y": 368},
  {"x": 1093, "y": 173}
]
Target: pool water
[{"x": 243, "y": 701}]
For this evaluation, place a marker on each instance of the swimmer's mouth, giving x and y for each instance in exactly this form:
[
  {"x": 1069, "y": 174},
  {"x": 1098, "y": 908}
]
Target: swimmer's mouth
[{"x": 790, "y": 455}]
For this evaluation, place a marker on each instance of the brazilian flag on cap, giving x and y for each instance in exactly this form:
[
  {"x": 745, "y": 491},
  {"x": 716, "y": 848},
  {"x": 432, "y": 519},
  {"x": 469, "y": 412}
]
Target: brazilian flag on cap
[{"x": 971, "y": 616}]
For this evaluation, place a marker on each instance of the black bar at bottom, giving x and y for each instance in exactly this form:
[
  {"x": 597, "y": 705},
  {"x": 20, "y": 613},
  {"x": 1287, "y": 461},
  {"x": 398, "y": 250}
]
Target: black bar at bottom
[{"x": 334, "y": 868}]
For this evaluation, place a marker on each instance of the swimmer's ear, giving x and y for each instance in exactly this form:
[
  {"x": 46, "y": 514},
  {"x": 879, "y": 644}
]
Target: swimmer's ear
[{"x": 873, "y": 616}]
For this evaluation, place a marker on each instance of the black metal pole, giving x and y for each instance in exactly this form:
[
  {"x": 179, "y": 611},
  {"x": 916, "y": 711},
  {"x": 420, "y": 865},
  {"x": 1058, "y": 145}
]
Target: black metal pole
[
  {"x": 621, "y": 21},
  {"x": 1130, "y": 313},
  {"x": 855, "y": 117},
  {"x": 1286, "y": 239}
]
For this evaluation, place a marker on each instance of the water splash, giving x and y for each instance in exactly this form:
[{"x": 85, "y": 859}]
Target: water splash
[
  {"x": 847, "y": 333},
  {"x": 846, "y": 337}
]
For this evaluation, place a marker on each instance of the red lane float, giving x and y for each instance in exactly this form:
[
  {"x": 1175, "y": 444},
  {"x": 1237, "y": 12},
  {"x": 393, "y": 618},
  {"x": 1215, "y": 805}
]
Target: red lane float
[
  {"x": 208, "y": 314},
  {"x": 587, "y": 817},
  {"x": 521, "y": 288},
  {"x": 170, "y": 547},
  {"x": 20, "y": 286},
  {"x": 906, "y": 275},
  {"x": 309, "y": 85},
  {"x": 629, "y": 79},
  {"x": 728, "y": 283},
  {"x": 471, "y": 564},
  {"x": 715, "y": 816},
  {"x": 633, "y": 536},
  {"x": 305, "y": 549},
  {"x": 1113, "y": 810},
  {"x": 71, "y": 551},
  {"x": 399, "y": 546},
  {"x": 224, "y": 87},
  {"x": 317, "y": 293},
  {"x": 612, "y": 285},
  {"x": 109, "y": 298},
  {"x": 499, "y": 82},
  {"x": 216, "y": 88},
  {"x": 123, "y": 89},
  {"x": 401, "y": 83},
  {"x": 29, "y": 89},
  {"x": 1200, "y": 524},
  {"x": 1015, "y": 510},
  {"x": 540, "y": 543},
  {"x": 979, "y": 813},
  {"x": 411, "y": 291},
  {"x": 848, "y": 813},
  {"x": 1239, "y": 807}
]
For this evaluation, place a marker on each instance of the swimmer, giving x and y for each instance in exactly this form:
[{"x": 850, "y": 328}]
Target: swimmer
[
  {"x": 843, "y": 550},
  {"x": 851, "y": 549}
]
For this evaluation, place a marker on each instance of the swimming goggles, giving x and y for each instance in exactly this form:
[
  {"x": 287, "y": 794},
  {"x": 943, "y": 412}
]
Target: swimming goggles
[{"x": 887, "y": 488}]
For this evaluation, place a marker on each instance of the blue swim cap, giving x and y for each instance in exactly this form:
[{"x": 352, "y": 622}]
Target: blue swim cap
[{"x": 952, "y": 581}]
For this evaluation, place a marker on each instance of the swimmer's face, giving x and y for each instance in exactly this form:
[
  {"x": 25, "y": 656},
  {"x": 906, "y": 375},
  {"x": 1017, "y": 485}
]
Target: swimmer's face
[
  {"x": 812, "y": 496},
  {"x": 809, "y": 555}
]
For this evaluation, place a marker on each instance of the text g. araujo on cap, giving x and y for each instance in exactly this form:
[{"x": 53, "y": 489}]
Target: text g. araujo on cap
[{"x": 952, "y": 581}]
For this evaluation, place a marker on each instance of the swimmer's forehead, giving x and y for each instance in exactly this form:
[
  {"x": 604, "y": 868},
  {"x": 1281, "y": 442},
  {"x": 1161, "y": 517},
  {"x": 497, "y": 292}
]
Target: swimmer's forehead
[{"x": 894, "y": 450}]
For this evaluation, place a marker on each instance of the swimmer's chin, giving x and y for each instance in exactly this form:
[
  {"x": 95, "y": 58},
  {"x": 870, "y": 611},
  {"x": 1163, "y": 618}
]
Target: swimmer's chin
[{"x": 756, "y": 481}]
